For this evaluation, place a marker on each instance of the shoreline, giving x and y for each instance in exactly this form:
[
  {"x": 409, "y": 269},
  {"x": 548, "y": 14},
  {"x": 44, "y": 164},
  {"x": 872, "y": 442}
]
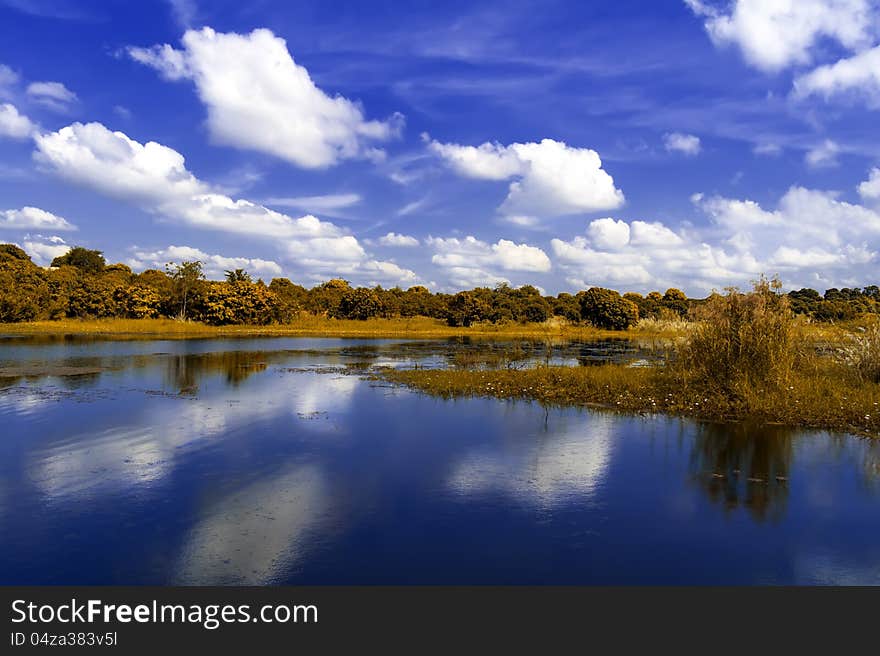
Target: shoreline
[
  {"x": 415, "y": 328},
  {"x": 818, "y": 401}
]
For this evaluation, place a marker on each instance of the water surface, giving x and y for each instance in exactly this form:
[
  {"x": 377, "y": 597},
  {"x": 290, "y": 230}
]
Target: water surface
[{"x": 275, "y": 461}]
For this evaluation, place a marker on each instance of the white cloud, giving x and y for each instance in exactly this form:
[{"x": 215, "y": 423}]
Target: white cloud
[
  {"x": 53, "y": 95},
  {"x": 398, "y": 240},
  {"x": 552, "y": 179},
  {"x": 609, "y": 234},
  {"x": 32, "y": 218},
  {"x": 811, "y": 238},
  {"x": 767, "y": 149},
  {"x": 170, "y": 63},
  {"x": 776, "y": 34},
  {"x": 13, "y": 124},
  {"x": 329, "y": 204},
  {"x": 469, "y": 262},
  {"x": 411, "y": 208},
  {"x": 870, "y": 188},
  {"x": 214, "y": 265},
  {"x": 259, "y": 98},
  {"x": 45, "y": 249},
  {"x": 686, "y": 144},
  {"x": 184, "y": 11},
  {"x": 823, "y": 155},
  {"x": 8, "y": 79},
  {"x": 857, "y": 76},
  {"x": 155, "y": 178}
]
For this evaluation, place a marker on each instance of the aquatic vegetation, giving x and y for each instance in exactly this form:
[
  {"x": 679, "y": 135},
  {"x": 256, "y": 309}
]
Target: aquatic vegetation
[{"x": 746, "y": 359}]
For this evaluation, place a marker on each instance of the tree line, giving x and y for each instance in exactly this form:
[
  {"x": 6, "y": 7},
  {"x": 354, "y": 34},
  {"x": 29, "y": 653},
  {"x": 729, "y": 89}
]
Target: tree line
[{"x": 81, "y": 284}]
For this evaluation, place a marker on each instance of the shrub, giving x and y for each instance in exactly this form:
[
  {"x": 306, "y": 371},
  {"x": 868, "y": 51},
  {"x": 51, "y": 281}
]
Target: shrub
[
  {"x": 744, "y": 342},
  {"x": 605, "y": 308}
]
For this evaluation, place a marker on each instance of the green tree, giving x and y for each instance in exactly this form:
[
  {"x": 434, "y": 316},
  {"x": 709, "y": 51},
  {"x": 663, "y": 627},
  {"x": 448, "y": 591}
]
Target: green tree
[
  {"x": 466, "y": 308},
  {"x": 606, "y": 308},
  {"x": 676, "y": 300},
  {"x": 238, "y": 275},
  {"x": 138, "y": 301},
  {"x": 13, "y": 252},
  {"x": 24, "y": 292},
  {"x": 567, "y": 306},
  {"x": 360, "y": 303},
  {"x": 240, "y": 302},
  {"x": 289, "y": 299},
  {"x": 86, "y": 260},
  {"x": 185, "y": 278}
]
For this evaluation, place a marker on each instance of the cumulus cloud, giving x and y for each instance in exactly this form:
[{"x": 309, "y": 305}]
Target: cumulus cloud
[
  {"x": 155, "y": 177},
  {"x": 53, "y": 95},
  {"x": 810, "y": 238},
  {"x": 259, "y": 98},
  {"x": 857, "y": 77},
  {"x": 32, "y": 218},
  {"x": 14, "y": 125},
  {"x": 609, "y": 234},
  {"x": 470, "y": 262},
  {"x": 214, "y": 265},
  {"x": 44, "y": 249},
  {"x": 776, "y": 34},
  {"x": 823, "y": 155},
  {"x": 686, "y": 144},
  {"x": 398, "y": 240},
  {"x": 550, "y": 177},
  {"x": 870, "y": 188}
]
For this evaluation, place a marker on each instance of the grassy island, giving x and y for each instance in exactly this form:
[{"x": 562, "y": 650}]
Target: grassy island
[{"x": 746, "y": 359}]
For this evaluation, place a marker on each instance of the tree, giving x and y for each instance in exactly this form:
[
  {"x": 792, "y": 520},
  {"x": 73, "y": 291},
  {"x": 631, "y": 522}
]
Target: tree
[
  {"x": 289, "y": 299},
  {"x": 13, "y": 252},
  {"x": 676, "y": 300},
  {"x": 567, "y": 306},
  {"x": 606, "y": 308},
  {"x": 185, "y": 277},
  {"x": 24, "y": 293},
  {"x": 804, "y": 301},
  {"x": 139, "y": 301},
  {"x": 238, "y": 275},
  {"x": 467, "y": 308},
  {"x": 240, "y": 302},
  {"x": 87, "y": 261},
  {"x": 360, "y": 303}
]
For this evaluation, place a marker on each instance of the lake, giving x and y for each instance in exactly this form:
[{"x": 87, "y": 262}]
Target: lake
[{"x": 277, "y": 461}]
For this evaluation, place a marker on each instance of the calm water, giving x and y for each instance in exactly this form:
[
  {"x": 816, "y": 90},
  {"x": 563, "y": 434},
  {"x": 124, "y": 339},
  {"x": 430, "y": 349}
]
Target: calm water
[{"x": 267, "y": 461}]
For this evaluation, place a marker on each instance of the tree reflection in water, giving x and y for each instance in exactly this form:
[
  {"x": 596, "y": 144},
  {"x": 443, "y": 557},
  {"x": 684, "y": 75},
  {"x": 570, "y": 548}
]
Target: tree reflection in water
[
  {"x": 184, "y": 372},
  {"x": 744, "y": 465}
]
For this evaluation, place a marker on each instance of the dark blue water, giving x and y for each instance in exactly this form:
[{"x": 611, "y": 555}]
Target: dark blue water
[{"x": 267, "y": 461}]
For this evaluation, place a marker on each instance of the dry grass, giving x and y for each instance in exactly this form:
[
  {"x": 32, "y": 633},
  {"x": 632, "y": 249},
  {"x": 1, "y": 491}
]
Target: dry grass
[
  {"x": 312, "y": 326},
  {"x": 745, "y": 359},
  {"x": 825, "y": 398},
  {"x": 861, "y": 353}
]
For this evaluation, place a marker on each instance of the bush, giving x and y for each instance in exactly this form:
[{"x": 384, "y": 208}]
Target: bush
[
  {"x": 605, "y": 308},
  {"x": 744, "y": 342}
]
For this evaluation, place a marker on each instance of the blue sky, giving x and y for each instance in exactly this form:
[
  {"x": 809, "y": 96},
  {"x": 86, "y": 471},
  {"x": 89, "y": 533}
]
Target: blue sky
[{"x": 564, "y": 144}]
